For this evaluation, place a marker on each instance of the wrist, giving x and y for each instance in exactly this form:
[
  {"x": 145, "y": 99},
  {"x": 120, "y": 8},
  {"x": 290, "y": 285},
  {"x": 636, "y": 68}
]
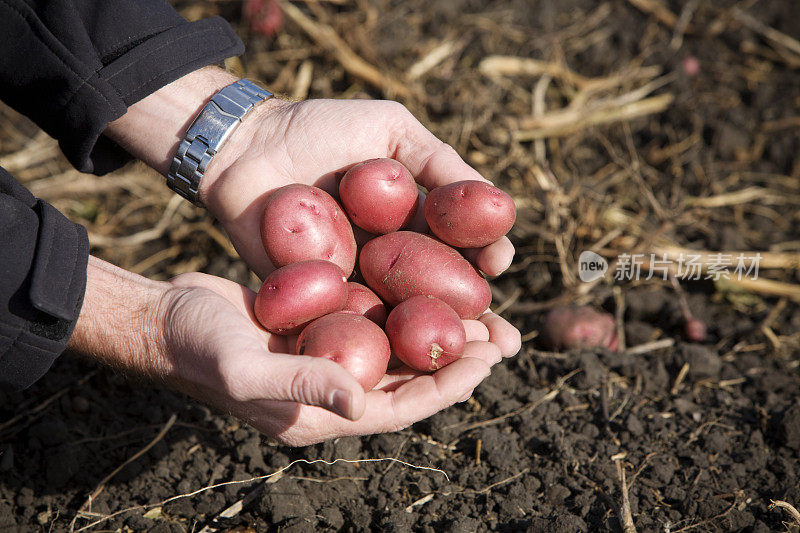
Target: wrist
[
  {"x": 121, "y": 322},
  {"x": 153, "y": 127}
]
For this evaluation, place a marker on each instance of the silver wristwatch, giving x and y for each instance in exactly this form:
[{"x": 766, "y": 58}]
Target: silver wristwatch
[{"x": 208, "y": 132}]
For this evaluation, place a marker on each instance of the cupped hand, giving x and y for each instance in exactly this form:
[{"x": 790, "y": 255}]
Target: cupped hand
[
  {"x": 313, "y": 142},
  {"x": 220, "y": 355}
]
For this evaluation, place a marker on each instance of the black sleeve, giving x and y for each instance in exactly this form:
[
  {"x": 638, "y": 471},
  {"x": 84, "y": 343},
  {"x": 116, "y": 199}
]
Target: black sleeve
[
  {"x": 43, "y": 258},
  {"x": 73, "y": 66}
]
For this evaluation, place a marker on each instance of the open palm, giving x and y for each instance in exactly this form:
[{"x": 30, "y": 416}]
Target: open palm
[{"x": 225, "y": 359}]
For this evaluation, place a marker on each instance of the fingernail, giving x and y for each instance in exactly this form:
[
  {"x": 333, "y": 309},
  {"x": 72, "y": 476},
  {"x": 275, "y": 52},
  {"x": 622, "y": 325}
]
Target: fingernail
[
  {"x": 342, "y": 403},
  {"x": 466, "y": 397}
]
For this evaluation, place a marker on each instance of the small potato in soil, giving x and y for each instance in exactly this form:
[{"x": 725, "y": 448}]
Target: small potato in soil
[
  {"x": 379, "y": 195},
  {"x": 362, "y": 301},
  {"x": 296, "y": 294},
  {"x": 403, "y": 264},
  {"x": 469, "y": 214},
  {"x": 695, "y": 329},
  {"x": 579, "y": 327},
  {"x": 353, "y": 341},
  {"x": 425, "y": 333},
  {"x": 301, "y": 222}
]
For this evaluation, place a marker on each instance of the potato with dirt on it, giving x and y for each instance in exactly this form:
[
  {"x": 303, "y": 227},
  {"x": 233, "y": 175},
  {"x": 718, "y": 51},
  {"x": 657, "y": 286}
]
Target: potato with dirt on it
[
  {"x": 579, "y": 327},
  {"x": 296, "y": 294},
  {"x": 470, "y": 213},
  {"x": 301, "y": 222},
  {"x": 403, "y": 264},
  {"x": 379, "y": 195},
  {"x": 353, "y": 341},
  {"x": 425, "y": 333},
  {"x": 362, "y": 301}
]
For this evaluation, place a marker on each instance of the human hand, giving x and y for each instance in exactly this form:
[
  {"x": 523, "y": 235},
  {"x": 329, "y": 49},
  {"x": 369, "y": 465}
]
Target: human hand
[
  {"x": 281, "y": 142},
  {"x": 197, "y": 333},
  {"x": 307, "y": 142},
  {"x": 246, "y": 371},
  {"x": 315, "y": 141}
]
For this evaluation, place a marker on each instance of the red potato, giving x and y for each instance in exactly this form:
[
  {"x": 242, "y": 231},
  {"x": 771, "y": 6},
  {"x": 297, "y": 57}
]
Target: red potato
[
  {"x": 469, "y": 214},
  {"x": 425, "y": 333},
  {"x": 301, "y": 222},
  {"x": 265, "y": 16},
  {"x": 296, "y": 294},
  {"x": 403, "y": 264},
  {"x": 353, "y": 341},
  {"x": 695, "y": 329},
  {"x": 579, "y": 327},
  {"x": 362, "y": 301},
  {"x": 379, "y": 195}
]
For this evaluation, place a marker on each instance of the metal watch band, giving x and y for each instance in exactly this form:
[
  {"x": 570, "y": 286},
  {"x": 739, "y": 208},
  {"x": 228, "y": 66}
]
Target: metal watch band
[{"x": 208, "y": 133}]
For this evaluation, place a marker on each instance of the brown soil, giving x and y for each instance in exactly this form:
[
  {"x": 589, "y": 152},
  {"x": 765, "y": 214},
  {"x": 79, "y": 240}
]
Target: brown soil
[{"x": 707, "y": 434}]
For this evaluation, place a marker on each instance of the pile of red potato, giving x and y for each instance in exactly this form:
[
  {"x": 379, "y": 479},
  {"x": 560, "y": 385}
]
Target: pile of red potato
[{"x": 418, "y": 289}]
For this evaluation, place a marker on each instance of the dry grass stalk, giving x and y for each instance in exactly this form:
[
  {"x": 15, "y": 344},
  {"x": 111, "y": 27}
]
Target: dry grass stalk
[
  {"x": 568, "y": 121},
  {"x": 43, "y": 405},
  {"x": 744, "y": 196},
  {"x": 658, "y": 10},
  {"x": 143, "y": 236},
  {"x": 496, "y": 65},
  {"x": 40, "y": 149},
  {"x": 788, "y": 507},
  {"x": 100, "y": 486},
  {"x": 626, "y": 516},
  {"x": 267, "y": 478},
  {"x": 767, "y": 287},
  {"x": 327, "y": 38},
  {"x": 648, "y": 347},
  {"x": 434, "y": 57},
  {"x": 769, "y": 33},
  {"x": 525, "y": 66},
  {"x": 778, "y": 260},
  {"x": 302, "y": 81},
  {"x": 760, "y": 285}
]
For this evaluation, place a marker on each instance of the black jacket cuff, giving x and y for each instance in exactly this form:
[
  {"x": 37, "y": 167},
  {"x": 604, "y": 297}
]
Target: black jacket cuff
[
  {"x": 73, "y": 66},
  {"x": 44, "y": 258},
  {"x": 141, "y": 71},
  {"x": 146, "y": 68}
]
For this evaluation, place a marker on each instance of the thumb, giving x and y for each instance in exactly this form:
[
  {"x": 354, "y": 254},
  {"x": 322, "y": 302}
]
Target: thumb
[{"x": 315, "y": 381}]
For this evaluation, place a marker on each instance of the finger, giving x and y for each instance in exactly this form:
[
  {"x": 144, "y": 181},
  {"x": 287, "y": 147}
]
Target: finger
[
  {"x": 493, "y": 259},
  {"x": 417, "y": 399},
  {"x": 479, "y": 348},
  {"x": 488, "y": 352},
  {"x": 466, "y": 397},
  {"x": 503, "y": 334},
  {"x": 291, "y": 343},
  {"x": 476, "y": 330},
  {"x": 281, "y": 344},
  {"x": 432, "y": 162},
  {"x": 396, "y": 377},
  {"x": 419, "y": 223},
  {"x": 306, "y": 380},
  {"x": 413, "y": 401}
]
